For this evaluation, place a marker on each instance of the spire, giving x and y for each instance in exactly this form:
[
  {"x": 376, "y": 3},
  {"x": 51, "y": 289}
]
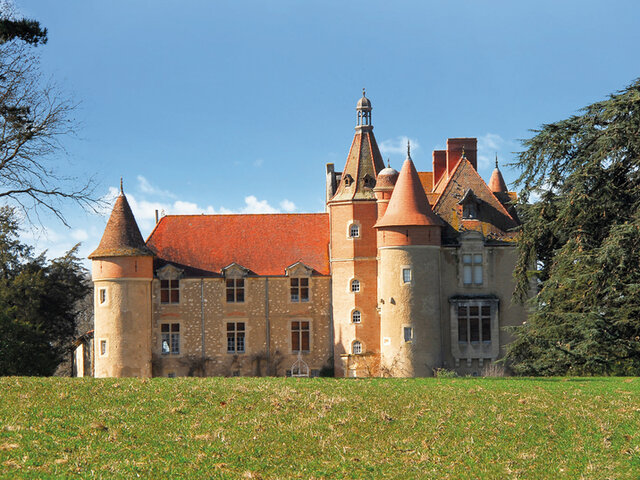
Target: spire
[
  {"x": 496, "y": 182},
  {"x": 409, "y": 204},
  {"x": 408, "y": 149},
  {"x": 364, "y": 162},
  {"x": 121, "y": 236}
]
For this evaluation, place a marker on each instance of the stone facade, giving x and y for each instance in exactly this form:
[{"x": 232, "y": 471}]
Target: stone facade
[{"x": 406, "y": 272}]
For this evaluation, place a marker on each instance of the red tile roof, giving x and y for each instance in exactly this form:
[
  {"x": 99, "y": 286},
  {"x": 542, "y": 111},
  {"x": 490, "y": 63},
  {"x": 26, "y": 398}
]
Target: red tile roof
[
  {"x": 121, "y": 237},
  {"x": 265, "y": 244},
  {"x": 496, "y": 182},
  {"x": 408, "y": 204}
]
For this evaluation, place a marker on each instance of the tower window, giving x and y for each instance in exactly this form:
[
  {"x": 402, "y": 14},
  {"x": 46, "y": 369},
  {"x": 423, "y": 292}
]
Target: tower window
[
  {"x": 103, "y": 348},
  {"x": 472, "y": 269},
  {"x": 300, "y": 289},
  {"x": 369, "y": 181},
  {"x": 406, "y": 275},
  {"x": 170, "y": 338},
  {"x": 169, "y": 291},
  {"x": 102, "y": 296},
  {"x": 355, "y": 286},
  {"x": 235, "y": 290},
  {"x": 299, "y": 336},
  {"x": 356, "y": 316},
  {"x": 354, "y": 231},
  {"x": 235, "y": 337},
  {"x": 408, "y": 334},
  {"x": 348, "y": 180},
  {"x": 356, "y": 347}
]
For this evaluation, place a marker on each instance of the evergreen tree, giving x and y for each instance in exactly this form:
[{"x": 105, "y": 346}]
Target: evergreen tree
[
  {"x": 579, "y": 248},
  {"x": 38, "y": 301}
]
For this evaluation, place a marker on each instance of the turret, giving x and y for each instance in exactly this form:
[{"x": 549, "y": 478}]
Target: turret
[
  {"x": 122, "y": 271},
  {"x": 496, "y": 182},
  {"x": 409, "y": 236},
  {"x": 353, "y": 212}
]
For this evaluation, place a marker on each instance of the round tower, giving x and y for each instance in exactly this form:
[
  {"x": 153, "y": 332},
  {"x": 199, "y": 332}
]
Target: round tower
[
  {"x": 409, "y": 238},
  {"x": 122, "y": 271},
  {"x": 496, "y": 182}
]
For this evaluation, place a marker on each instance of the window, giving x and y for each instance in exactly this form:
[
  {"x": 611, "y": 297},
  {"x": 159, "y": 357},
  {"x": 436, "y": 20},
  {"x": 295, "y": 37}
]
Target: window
[
  {"x": 356, "y": 316},
  {"x": 102, "y": 295},
  {"x": 406, "y": 275},
  {"x": 171, "y": 375},
  {"x": 354, "y": 231},
  {"x": 369, "y": 181},
  {"x": 235, "y": 337},
  {"x": 355, "y": 286},
  {"x": 103, "y": 348},
  {"x": 474, "y": 323},
  {"x": 170, "y": 333},
  {"x": 356, "y": 347},
  {"x": 408, "y": 334},
  {"x": 235, "y": 290},
  {"x": 469, "y": 210},
  {"x": 299, "y": 289},
  {"x": 169, "y": 291},
  {"x": 299, "y": 336},
  {"x": 472, "y": 269},
  {"x": 348, "y": 180}
]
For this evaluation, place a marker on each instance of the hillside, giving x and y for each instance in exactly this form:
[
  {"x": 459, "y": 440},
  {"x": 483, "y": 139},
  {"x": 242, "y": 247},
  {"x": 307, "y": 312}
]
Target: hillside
[{"x": 320, "y": 428}]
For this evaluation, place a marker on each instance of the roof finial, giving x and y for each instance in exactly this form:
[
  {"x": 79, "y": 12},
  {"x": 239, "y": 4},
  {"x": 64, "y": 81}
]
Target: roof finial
[
  {"x": 388, "y": 163},
  {"x": 408, "y": 148},
  {"x": 496, "y": 159},
  {"x": 121, "y": 189},
  {"x": 463, "y": 155},
  {"x": 363, "y": 92}
]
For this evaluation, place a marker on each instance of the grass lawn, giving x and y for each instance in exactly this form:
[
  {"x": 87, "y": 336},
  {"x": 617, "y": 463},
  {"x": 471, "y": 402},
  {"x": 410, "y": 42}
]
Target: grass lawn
[{"x": 275, "y": 428}]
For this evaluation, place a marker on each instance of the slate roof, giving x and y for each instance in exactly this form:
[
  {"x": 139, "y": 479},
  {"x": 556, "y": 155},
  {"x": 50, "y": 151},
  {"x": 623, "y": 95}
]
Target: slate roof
[
  {"x": 265, "y": 244},
  {"x": 121, "y": 237}
]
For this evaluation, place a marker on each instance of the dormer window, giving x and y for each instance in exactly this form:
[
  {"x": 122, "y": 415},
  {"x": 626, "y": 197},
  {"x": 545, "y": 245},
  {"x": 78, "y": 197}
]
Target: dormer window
[
  {"x": 169, "y": 291},
  {"x": 348, "y": 180},
  {"x": 369, "y": 181},
  {"x": 469, "y": 204}
]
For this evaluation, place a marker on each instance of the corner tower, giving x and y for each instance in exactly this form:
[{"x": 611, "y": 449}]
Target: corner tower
[
  {"x": 122, "y": 271},
  {"x": 409, "y": 238},
  {"x": 353, "y": 213}
]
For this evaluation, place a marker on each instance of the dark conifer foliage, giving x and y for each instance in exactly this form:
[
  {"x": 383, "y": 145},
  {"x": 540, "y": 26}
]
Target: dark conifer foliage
[
  {"x": 28, "y": 31},
  {"x": 580, "y": 243},
  {"x": 38, "y": 303}
]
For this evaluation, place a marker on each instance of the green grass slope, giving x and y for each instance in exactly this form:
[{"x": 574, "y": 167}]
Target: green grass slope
[{"x": 320, "y": 428}]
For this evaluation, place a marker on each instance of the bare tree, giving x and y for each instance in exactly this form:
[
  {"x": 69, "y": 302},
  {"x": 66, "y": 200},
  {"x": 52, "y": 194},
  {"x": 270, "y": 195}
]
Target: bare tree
[{"x": 34, "y": 117}]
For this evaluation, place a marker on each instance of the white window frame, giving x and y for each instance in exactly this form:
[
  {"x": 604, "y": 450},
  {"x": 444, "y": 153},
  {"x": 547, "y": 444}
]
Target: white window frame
[
  {"x": 356, "y": 347},
  {"x": 407, "y": 275},
  {"x": 354, "y": 228},
  {"x": 354, "y": 286},
  {"x": 356, "y": 316},
  {"x": 103, "y": 342}
]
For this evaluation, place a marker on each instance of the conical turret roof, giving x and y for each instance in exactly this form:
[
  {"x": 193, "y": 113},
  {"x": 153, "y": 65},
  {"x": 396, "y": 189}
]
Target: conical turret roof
[
  {"x": 121, "y": 236},
  {"x": 496, "y": 182},
  {"x": 408, "y": 204}
]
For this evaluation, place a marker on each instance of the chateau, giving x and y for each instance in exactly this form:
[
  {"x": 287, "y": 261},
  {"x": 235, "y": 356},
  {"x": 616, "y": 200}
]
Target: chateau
[{"x": 404, "y": 273}]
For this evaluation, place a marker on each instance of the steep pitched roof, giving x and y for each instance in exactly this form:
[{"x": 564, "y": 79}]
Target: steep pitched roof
[
  {"x": 121, "y": 237},
  {"x": 496, "y": 182},
  {"x": 408, "y": 204},
  {"x": 264, "y": 244},
  {"x": 364, "y": 159},
  {"x": 493, "y": 219}
]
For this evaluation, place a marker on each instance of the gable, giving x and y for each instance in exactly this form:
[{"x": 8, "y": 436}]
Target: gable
[{"x": 493, "y": 220}]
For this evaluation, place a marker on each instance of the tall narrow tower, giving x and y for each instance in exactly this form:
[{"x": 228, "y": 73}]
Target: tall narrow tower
[
  {"x": 409, "y": 238},
  {"x": 122, "y": 271},
  {"x": 353, "y": 212}
]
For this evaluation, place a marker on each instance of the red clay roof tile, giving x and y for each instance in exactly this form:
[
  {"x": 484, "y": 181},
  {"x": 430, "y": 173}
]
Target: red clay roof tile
[{"x": 263, "y": 243}]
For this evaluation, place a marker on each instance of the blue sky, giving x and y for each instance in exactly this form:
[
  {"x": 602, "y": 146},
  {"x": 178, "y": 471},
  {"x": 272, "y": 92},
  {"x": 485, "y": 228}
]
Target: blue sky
[{"x": 236, "y": 106}]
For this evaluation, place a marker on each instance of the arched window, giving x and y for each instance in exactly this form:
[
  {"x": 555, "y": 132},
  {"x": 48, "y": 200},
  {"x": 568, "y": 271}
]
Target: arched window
[
  {"x": 356, "y": 347},
  {"x": 355, "y": 286},
  {"x": 356, "y": 316},
  {"x": 354, "y": 231}
]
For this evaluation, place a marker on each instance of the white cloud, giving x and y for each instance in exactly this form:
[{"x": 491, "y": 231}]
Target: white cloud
[
  {"x": 287, "y": 206},
  {"x": 490, "y": 145},
  {"x": 79, "y": 235},
  {"x": 146, "y": 187},
  {"x": 398, "y": 145},
  {"x": 253, "y": 205},
  {"x": 258, "y": 162}
]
